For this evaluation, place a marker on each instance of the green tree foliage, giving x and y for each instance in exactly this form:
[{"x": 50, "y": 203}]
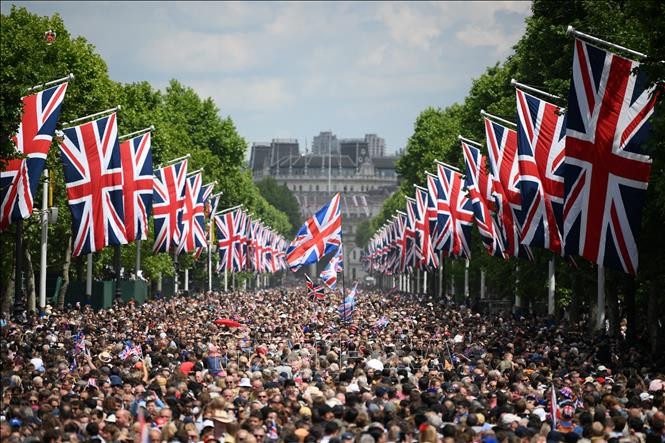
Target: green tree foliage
[
  {"x": 184, "y": 124},
  {"x": 281, "y": 197},
  {"x": 543, "y": 58}
]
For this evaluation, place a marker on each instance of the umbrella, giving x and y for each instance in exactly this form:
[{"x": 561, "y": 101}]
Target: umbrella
[
  {"x": 374, "y": 364},
  {"x": 227, "y": 322}
]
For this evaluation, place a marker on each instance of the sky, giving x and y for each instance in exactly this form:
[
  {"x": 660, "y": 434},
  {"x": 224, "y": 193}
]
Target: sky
[{"x": 293, "y": 69}]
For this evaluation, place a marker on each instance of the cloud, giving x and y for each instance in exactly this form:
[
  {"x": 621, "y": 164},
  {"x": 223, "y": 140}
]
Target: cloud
[
  {"x": 256, "y": 94},
  {"x": 412, "y": 24}
]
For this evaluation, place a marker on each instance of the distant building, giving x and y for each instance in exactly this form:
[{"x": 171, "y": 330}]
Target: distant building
[
  {"x": 375, "y": 145},
  {"x": 364, "y": 180},
  {"x": 324, "y": 142}
]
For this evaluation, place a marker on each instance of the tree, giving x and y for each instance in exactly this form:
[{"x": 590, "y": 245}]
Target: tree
[{"x": 281, "y": 197}]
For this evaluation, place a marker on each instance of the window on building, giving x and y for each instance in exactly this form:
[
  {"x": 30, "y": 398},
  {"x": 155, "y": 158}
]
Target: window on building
[
  {"x": 353, "y": 273},
  {"x": 317, "y": 187},
  {"x": 300, "y": 188}
]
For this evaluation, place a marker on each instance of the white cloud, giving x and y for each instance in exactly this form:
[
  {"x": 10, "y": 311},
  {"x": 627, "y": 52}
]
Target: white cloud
[
  {"x": 246, "y": 94},
  {"x": 412, "y": 23}
]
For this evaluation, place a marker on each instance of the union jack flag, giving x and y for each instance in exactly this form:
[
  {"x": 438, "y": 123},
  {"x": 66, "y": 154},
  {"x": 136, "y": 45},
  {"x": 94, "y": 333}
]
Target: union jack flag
[
  {"x": 461, "y": 210},
  {"x": 335, "y": 265},
  {"x": 192, "y": 221},
  {"x": 320, "y": 235},
  {"x": 19, "y": 180},
  {"x": 206, "y": 191},
  {"x": 479, "y": 186},
  {"x": 314, "y": 292},
  {"x": 136, "y": 158},
  {"x": 401, "y": 242},
  {"x": 168, "y": 202},
  {"x": 606, "y": 172},
  {"x": 348, "y": 307},
  {"x": 93, "y": 172},
  {"x": 541, "y": 150},
  {"x": 410, "y": 233},
  {"x": 502, "y": 150},
  {"x": 439, "y": 216},
  {"x": 227, "y": 241},
  {"x": 428, "y": 259}
]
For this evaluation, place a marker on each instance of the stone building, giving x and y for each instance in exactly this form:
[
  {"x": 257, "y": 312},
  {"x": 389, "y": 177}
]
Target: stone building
[{"x": 364, "y": 180}]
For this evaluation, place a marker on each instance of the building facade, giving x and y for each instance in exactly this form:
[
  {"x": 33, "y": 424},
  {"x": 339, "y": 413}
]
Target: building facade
[{"x": 364, "y": 182}]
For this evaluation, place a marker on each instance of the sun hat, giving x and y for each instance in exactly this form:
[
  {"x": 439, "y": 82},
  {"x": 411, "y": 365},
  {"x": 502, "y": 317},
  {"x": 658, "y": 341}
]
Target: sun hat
[{"x": 245, "y": 383}]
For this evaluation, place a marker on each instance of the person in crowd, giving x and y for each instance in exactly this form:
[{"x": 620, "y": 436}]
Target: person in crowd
[{"x": 403, "y": 368}]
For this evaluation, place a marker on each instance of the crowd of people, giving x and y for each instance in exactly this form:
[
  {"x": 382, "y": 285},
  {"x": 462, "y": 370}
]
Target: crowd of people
[{"x": 274, "y": 366}]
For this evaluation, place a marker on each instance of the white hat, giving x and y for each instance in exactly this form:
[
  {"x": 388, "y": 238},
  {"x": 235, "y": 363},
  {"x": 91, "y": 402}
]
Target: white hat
[
  {"x": 110, "y": 418},
  {"x": 245, "y": 383},
  {"x": 645, "y": 396},
  {"x": 353, "y": 387},
  {"x": 509, "y": 418}
]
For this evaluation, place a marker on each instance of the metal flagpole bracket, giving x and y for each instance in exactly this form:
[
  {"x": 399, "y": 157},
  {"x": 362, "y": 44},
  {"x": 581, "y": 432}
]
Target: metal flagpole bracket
[
  {"x": 97, "y": 114},
  {"x": 223, "y": 211},
  {"x": 497, "y": 118},
  {"x": 401, "y": 212},
  {"x": 528, "y": 88},
  {"x": 591, "y": 39},
  {"x": 419, "y": 187},
  {"x": 67, "y": 78},
  {"x": 469, "y": 141},
  {"x": 136, "y": 133}
]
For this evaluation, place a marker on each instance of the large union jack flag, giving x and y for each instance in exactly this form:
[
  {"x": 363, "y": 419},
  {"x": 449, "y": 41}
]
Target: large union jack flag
[
  {"x": 320, "y": 235},
  {"x": 479, "y": 186},
  {"x": 460, "y": 208},
  {"x": 606, "y": 172},
  {"x": 192, "y": 221},
  {"x": 93, "y": 172},
  {"x": 206, "y": 192},
  {"x": 428, "y": 259},
  {"x": 502, "y": 154},
  {"x": 540, "y": 147},
  {"x": 19, "y": 180},
  {"x": 411, "y": 255},
  {"x": 227, "y": 241},
  {"x": 136, "y": 158},
  {"x": 168, "y": 201}
]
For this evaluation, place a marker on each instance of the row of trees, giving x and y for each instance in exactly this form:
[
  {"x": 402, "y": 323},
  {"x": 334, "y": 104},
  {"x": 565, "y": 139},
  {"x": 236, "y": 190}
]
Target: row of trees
[
  {"x": 184, "y": 123},
  {"x": 543, "y": 58}
]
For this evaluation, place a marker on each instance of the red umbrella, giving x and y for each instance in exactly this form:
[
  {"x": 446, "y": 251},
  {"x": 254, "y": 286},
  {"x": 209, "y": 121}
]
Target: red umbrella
[{"x": 227, "y": 322}]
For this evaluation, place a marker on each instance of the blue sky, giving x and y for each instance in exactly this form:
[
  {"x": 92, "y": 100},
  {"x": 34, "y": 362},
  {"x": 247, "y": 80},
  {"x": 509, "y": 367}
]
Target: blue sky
[{"x": 293, "y": 69}]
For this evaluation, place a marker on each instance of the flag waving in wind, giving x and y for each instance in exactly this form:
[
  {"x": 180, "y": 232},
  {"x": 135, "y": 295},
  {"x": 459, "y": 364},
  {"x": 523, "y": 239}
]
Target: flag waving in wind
[
  {"x": 19, "y": 179},
  {"x": 335, "y": 265},
  {"x": 320, "y": 235}
]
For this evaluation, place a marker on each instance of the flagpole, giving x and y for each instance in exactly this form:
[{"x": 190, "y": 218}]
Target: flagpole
[
  {"x": 53, "y": 82},
  {"x": 498, "y": 119},
  {"x": 96, "y": 114},
  {"x": 590, "y": 38},
  {"x": 447, "y": 165},
  {"x": 551, "y": 287},
  {"x": 175, "y": 160},
  {"x": 116, "y": 265},
  {"x": 88, "y": 280},
  {"x": 138, "y": 257},
  {"x": 528, "y": 88},
  {"x": 139, "y": 132},
  {"x": 469, "y": 141},
  {"x": 44, "y": 245},
  {"x": 600, "y": 311}
]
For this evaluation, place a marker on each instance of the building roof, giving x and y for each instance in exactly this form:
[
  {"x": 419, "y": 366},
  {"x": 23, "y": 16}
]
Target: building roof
[{"x": 384, "y": 162}]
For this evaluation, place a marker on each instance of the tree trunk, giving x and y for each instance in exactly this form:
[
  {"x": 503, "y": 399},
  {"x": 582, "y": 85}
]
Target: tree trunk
[
  {"x": 29, "y": 270},
  {"x": 65, "y": 273},
  {"x": 612, "y": 304},
  {"x": 576, "y": 298},
  {"x": 629, "y": 301}
]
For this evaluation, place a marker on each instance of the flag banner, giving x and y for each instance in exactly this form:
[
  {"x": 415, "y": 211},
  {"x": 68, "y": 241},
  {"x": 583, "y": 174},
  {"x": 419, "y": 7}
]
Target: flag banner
[
  {"x": 314, "y": 292},
  {"x": 192, "y": 221},
  {"x": 428, "y": 259},
  {"x": 228, "y": 241},
  {"x": 348, "y": 306},
  {"x": 410, "y": 233},
  {"x": 440, "y": 220},
  {"x": 320, "y": 235},
  {"x": 479, "y": 186},
  {"x": 502, "y": 150},
  {"x": 335, "y": 265},
  {"x": 137, "y": 177},
  {"x": 19, "y": 179},
  {"x": 168, "y": 201},
  {"x": 541, "y": 131},
  {"x": 461, "y": 211},
  {"x": 606, "y": 173},
  {"x": 90, "y": 156}
]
